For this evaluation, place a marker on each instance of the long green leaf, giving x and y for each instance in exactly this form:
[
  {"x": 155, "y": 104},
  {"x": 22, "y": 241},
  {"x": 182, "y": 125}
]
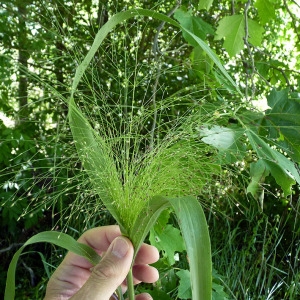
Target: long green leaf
[
  {"x": 194, "y": 229},
  {"x": 214, "y": 58},
  {"x": 96, "y": 158},
  {"x": 57, "y": 238},
  {"x": 106, "y": 28},
  {"x": 123, "y": 16}
]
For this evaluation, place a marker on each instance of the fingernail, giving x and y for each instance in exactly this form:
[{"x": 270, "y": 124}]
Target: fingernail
[{"x": 120, "y": 247}]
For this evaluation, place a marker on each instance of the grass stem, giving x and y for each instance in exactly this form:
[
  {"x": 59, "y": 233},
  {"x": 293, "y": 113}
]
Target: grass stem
[{"x": 130, "y": 285}]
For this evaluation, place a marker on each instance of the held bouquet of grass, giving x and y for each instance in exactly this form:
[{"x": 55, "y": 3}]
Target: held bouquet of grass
[{"x": 137, "y": 176}]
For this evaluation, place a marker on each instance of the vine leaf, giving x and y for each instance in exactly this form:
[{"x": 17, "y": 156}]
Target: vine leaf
[
  {"x": 283, "y": 122},
  {"x": 226, "y": 140},
  {"x": 266, "y": 10},
  {"x": 169, "y": 241},
  {"x": 205, "y": 4},
  {"x": 232, "y": 29},
  {"x": 184, "y": 288},
  {"x": 194, "y": 24},
  {"x": 281, "y": 168}
]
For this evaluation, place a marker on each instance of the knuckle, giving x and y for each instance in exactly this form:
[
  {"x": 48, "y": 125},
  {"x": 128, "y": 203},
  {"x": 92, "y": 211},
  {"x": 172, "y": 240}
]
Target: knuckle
[{"x": 105, "y": 270}]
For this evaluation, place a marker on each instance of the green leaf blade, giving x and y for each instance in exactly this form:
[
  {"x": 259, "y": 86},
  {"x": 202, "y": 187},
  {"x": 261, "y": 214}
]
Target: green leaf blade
[
  {"x": 266, "y": 10},
  {"x": 97, "y": 160},
  {"x": 281, "y": 168},
  {"x": 194, "y": 229},
  {"x": 232, "y": 29},
  {"x": 205, "y": 4},
  {"x": 283, "y": 121},
  {"x": 255, "y": 32},
  {"x": 57, "y": 238}
]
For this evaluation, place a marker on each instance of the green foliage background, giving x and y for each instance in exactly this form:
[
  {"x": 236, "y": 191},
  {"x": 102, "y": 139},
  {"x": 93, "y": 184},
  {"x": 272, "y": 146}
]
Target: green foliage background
[{"x": 252, "y": 205}]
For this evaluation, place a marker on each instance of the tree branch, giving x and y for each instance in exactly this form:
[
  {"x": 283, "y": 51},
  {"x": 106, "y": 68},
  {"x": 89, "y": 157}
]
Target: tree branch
[
  {"x": 252, "y": 65},
  {"x": 156, "y": 51},
  {"x": 294, "y": 19},
  {"x": 10, "y": 247}
]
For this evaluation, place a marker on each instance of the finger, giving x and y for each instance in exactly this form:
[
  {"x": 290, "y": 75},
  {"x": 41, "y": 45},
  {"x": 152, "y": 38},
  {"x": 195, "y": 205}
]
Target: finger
[
  {"x": 100, "y": 238},
  {"x": 143, "y": 296},
  {"x": 147, "y": 255},
  {"x": 145, "y": 273},
  {"x": 109, "y": 273}
]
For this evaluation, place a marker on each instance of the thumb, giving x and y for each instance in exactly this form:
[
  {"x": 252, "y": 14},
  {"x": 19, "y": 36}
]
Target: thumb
[{"x": 109, "y": 273}]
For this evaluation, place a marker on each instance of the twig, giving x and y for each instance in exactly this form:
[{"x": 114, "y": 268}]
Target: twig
[
  {"x": 10, "y": 247},
  {"x": 294, "y": 19},
  {"x": 249, "y": 52},
  {"x": 157, "y": 51},
  {"x": 31, "y": 273},
  {"x": 155, "y": 47}
]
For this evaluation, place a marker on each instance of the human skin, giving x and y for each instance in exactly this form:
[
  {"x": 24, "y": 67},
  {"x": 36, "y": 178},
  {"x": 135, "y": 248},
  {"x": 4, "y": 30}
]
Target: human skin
[{"x": 77, "y": 279}]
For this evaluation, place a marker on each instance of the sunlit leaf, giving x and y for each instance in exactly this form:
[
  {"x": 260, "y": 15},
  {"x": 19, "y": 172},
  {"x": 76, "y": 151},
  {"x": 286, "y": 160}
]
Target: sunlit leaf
[
  {"x": 232, "y": 29},
  {"x": 266, "y": 10},
  {"x": 205, "y": 4},
  {"x": 226, "y": 140},
  {"x": 255, "y": 32}
]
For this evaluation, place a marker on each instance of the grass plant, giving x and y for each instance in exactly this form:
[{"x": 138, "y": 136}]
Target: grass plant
[
  {"x": 135, "y": 172},
  {"x": 139, "y": 152}
]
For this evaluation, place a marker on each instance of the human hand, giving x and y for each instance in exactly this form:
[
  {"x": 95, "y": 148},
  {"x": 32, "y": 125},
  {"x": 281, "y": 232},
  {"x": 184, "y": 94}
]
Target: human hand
[{"x": 76, "y": 278}]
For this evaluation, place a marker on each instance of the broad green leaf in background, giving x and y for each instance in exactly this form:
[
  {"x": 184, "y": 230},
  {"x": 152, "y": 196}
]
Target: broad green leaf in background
[
  {"x": 266, "y": 10},
  {"x": 218, "y": 287},
  {"x": 158, "y": 294},
  {"x": 232, "y": 29},
  {"x": 205, "y": 4},
  {"x": 218, "y": 292},
  {"x": 258, "y": 172},
  {"x": 255, "y": 32},
  {"x": 283, "y": 122},
  {"x": 57, "y": 238},
  {"x": 281, "y": 168},
  {"x": 194, "y": 24},
  {"x": 184, "y": 288},
  {"x": 220, "y": 137},
  {"x": 169, "y": 241},
  {"x": 226, "y": 140},
  {"x": 201, "y": 62},
  {"x": 215, "y": 59}
]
